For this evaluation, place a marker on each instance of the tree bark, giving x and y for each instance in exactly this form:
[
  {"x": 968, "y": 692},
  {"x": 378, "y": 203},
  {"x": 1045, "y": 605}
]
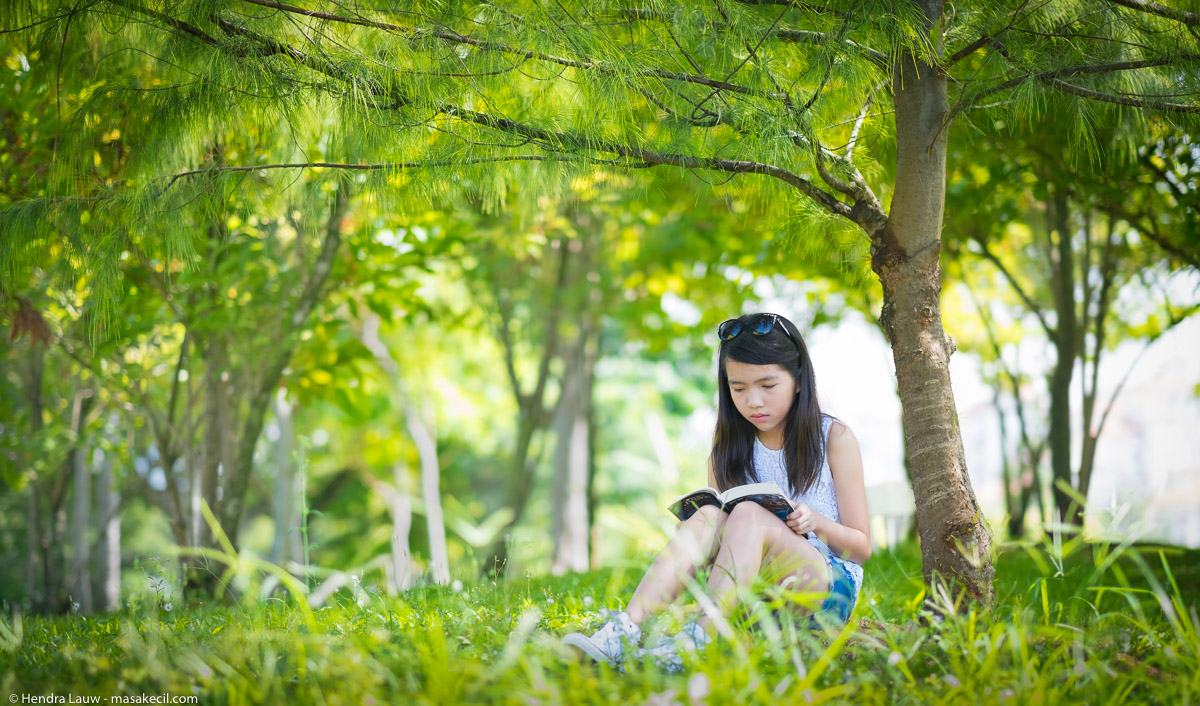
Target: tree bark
[
  {"x": 1062, "y": 263},
  {"x": 439, "y": 562},
  {"x": 107, "y": 591},
  {"x": 33, "y": 391},
  {"x": 403, "y": 569},
  {"x": 1090, "y": 387},
  {"x": 569, "y": 504},
  {"x": 285, "y": 505},
  {"x": 216, "y": 360},
  {"x": 81, "y": 520},
  {"x": 955, "y": 543}
]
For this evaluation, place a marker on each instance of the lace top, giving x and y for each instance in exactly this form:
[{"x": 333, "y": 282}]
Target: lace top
[{"x": 769, "y": 466}]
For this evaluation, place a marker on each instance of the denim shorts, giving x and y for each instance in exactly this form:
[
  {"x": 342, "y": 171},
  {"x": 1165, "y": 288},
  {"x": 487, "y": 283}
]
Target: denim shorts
[{"x": 839, "y": 604}]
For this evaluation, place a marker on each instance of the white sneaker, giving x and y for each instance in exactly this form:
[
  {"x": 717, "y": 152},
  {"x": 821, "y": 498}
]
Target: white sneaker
[
  {"x": 667, "y": 653},
  {"x": 608, "y": 643}
]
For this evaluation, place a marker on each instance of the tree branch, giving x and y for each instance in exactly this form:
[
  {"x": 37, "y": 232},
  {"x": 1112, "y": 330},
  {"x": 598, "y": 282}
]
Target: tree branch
[
  {"x": 858, "y": 122},
  {"x": 1029, "y": 303},
  {"x": 396, "y": 166},
  {"x": 1190, "y": 19},
  {"x": 985, "y": 39},
  {"x": 237, "y": 477},
  {"x": 827, "y": 176},
  {"x": 809, "y": 37},
  {"x": 457, "y": 38},
  {"x": 1149, "y": 229},
  {"x": 561, "y": 140},
  {"x": 799, "y": 5},
  {"x": 552, "y": 336},
  {"x": 1121, "y": 100},
  {"x": 504, "y": 333},
  {"x": 1051, "y": 77},
  {"x": 180, "y": 25}
]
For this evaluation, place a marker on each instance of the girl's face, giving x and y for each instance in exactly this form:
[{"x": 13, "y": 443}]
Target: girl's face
[{"x": 762, "y": 394}]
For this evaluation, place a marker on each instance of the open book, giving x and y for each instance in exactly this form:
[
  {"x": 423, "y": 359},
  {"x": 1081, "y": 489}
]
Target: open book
[{"x": 769, "y": 495}]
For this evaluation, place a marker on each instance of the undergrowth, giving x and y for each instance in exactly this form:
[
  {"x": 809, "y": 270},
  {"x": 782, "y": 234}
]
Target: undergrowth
[{"x": 1085, "y": 623}]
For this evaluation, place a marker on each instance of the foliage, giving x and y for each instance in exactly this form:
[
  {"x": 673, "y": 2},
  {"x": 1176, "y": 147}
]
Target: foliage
[
  {"x": 1073, "y": 623},
  {"x": 456, "y": 98}
]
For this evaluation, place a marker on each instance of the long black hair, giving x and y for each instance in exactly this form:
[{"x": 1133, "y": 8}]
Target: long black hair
[{"x": 733, "y": 444}]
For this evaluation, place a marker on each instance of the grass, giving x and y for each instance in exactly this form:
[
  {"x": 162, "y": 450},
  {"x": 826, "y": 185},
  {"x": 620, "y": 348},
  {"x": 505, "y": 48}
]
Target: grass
[{"x": 1087, "y": 623}]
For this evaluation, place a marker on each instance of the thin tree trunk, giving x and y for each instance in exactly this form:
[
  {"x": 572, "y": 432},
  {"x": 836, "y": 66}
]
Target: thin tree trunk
[
  {"x": 54, "y": 562},
  {"x": 285, "y": 505},
  {"x": 569, "y": 508},
  {"x": 34, "y": 538},
  {"x": 439, "y": 563},
  {"x": 422, "y": 436},
  {"x": 403, "y": 569},
  {"x": 1062, "y": 263},
  {"x": 108, "y": 565},
  {"x": 955, "y": 543},
  {"x": 37, "y": 360},
  {"x": 1091, "y": 433},
  {"x": 593, "y": 529},
  {"x": 193, "y": 467},
  {"x": 81, "y": 520},
  {"x": 167, "y": 436},
  {"x": 216, "y": 361}
]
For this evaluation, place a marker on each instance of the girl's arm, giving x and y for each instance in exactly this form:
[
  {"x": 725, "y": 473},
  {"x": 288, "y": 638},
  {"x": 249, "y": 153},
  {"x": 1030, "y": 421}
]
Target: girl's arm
[{"x": 850, "y": 538}]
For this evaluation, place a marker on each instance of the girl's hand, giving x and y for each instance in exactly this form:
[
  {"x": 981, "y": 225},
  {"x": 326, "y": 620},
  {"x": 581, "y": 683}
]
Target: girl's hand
[{"x": 803, "y": 519}]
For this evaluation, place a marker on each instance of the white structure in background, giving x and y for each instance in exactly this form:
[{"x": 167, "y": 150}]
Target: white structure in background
[
  {"x": 1147, "y": 476},
  {"x": 1146, "y": 482}
]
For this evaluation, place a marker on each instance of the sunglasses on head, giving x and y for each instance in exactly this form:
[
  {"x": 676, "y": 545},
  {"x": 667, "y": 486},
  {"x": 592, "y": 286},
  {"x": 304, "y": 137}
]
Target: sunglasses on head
[{"x": 757, "y": 324}]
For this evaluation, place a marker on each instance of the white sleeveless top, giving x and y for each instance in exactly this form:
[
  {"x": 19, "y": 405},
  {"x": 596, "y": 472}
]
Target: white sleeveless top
[{"x": 769, "y": 465}]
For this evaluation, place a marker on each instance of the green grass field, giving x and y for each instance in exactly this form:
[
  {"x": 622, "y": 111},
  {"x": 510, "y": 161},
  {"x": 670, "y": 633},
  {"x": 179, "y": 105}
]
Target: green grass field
[{"x": 1096, "y": 624}]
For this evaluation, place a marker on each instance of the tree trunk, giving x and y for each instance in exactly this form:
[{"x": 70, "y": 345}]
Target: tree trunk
[
  {"x": 216, "y": 360},
  {"x": 1062, "y": 263},
  {"x": 955, "y": 543},
  {"x": 285, "y": 505},
  {"x": 403, "y": 570},
  {"x": 33, "y": 390},
  {"x": 569, "y": 504},
  {"x": 593, "y": 501},
  {"x": 1099, "y": 325},
  {"x": 439, "y": 562},
  {"x": 523, "y": 470},
  {"x": 107, "y": 593},
  {"x": 81, "y": 519}
]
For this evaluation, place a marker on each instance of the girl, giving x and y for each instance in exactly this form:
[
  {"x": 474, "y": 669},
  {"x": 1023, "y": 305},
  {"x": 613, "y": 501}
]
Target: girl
[{"x": 769, "y": 428}]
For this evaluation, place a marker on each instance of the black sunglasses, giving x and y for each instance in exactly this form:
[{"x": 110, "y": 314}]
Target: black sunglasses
[{"x": 757, "y": 324}]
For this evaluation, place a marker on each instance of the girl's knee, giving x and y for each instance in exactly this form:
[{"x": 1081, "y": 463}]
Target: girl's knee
[
  {"x": 707, "y": 516},
  {"x": 749, "y": 515}
]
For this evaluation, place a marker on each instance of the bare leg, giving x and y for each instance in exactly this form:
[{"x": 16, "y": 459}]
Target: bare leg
[
  {"x": 692, "y": 547},
  {"x": 755, "y": 540}
]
